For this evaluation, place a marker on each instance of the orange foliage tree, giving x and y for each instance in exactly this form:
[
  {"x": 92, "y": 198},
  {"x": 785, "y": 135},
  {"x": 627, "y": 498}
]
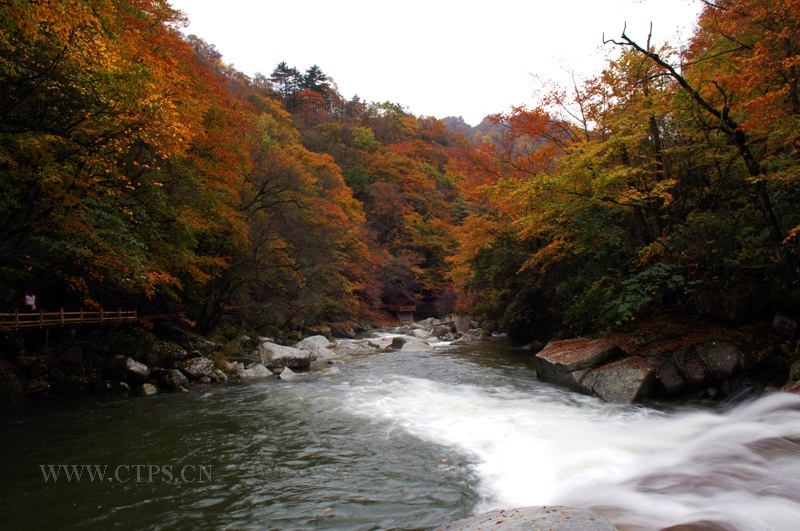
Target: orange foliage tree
[{"x": 650, "y": 187}]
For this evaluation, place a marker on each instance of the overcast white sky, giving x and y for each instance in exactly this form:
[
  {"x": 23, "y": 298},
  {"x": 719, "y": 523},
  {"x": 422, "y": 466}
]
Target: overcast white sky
[{"x": 435, "y": 57}]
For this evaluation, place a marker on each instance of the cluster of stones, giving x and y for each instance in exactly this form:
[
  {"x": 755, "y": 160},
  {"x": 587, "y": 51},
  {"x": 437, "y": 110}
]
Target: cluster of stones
[
  {"x": 285, "y": 361},
  {"x": 175, "y": 366},
  {"x": 166, "y": 366},
  {"x": 628, "y": 368},
  {"x": 459, "y": 330},
  {"x": 281, "y": 360}
]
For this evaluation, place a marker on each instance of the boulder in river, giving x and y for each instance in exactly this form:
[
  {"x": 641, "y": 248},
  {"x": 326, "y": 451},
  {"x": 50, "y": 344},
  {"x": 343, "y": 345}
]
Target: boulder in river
[
  {"x": 596, "y": 367},
  {"x": 442, "y": 331},
  {"x": 567, "y": 362},
  {"x": 147, "y": 389},
  {"x": 722, "y": 358},
  {"x": 465, "y": 339},
  {"x": 409, "y": 343},
  {"x": 380, "y": 343},
  {"x": 318, "y": 345},
  {"x": 625, "y": 381},
  {"x": 254, "y": 372},
  {"x": 544, "y": 518},
  {"x": 217, "y": 376},
  {"x": 420, "y": 333},
  {"x": 275, "y": 356},
  {"x": 287, "y": 374},
  {"x": 462, "y": 323},
  {"x": 667, "y": 356}
]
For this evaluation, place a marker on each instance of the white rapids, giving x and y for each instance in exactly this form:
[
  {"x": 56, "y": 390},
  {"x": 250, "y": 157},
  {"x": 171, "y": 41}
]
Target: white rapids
[{"x": 642, "y": 468}]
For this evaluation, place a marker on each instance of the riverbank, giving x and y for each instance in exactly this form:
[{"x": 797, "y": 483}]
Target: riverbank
[
  {"x": 670, "y": 357},
  {"x": 134, "y": 360}
]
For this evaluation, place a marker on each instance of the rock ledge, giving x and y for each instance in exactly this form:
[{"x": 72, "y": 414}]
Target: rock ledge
[{"x": 543, "y": 518}]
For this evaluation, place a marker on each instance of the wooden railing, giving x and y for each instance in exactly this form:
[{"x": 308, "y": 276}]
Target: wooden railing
[{"x": 42, "y": 319}]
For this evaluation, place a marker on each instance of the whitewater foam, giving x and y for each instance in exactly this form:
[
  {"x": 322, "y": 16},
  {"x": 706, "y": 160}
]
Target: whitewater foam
[{"x": 642, "y": 467}]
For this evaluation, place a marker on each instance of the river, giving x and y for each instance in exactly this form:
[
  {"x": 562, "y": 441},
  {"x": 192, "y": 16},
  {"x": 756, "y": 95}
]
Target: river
[{"x": 397, "y": 440}]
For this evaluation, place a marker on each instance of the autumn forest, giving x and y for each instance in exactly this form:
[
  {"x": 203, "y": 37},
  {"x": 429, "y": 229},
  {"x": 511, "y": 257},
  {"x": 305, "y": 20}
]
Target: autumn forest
[{"x": 139, "y": 169}]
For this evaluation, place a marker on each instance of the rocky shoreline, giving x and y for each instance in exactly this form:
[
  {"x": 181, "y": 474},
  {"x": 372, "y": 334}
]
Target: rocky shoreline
[
  {"x": 677, "y": 358},
  {"x": 136, "y": 361},
  {"x": 671, "y": 357}
]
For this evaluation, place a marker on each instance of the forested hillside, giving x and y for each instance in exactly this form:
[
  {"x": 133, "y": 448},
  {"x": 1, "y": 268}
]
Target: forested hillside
[
  {"x": 669, "y": 182},
  {"x": 139, "y": 169}
]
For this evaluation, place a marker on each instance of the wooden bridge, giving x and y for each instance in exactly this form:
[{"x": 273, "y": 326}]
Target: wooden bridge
[{"x": 42, "y": 319}]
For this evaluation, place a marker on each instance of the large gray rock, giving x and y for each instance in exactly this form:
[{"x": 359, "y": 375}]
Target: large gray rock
[
  {"x": 197, "y": 368},
  {"x": 381, "y": 343},
  {"x": 567, "y": 362},
  {"x": 596, "y": 367},
  {"x": 462, "y": 323},
  {"x": 201, "y": 345},
  {"x": 275, "y": 356},
  {"x": 625, "y": 381},
  {"x": 695, "y": 373},
  {"x": 165, "y": 354},
  {"x": 312, "y": 342},
  {"x": 343, "y": 332},
  {"x": 287, "y": 374},
  {"x": 218, "y": 376},
  {"x": 692, "y": 368},
  {"x": 409, "y": 343},
  {"x": 466, "y": 339},
  {"x": 442, "y": 331},
  {"x": 255, "y": 372},
  {"x": 546, "y": 518},
  {"x": 722, "y": 359},
  {"x": 234, "y": 368},
  {"x": 127, "y": 370},
  {"x": 147, "y": 389},
  {"x": 419, "y": 333},
  {"x": 171, "y": 379},
  {"x": 318, "y": 345},
  {"x": 667, "y": 375}
]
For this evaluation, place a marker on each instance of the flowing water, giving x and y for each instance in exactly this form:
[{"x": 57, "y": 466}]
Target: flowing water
[{"x": 398, "y": 440}]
